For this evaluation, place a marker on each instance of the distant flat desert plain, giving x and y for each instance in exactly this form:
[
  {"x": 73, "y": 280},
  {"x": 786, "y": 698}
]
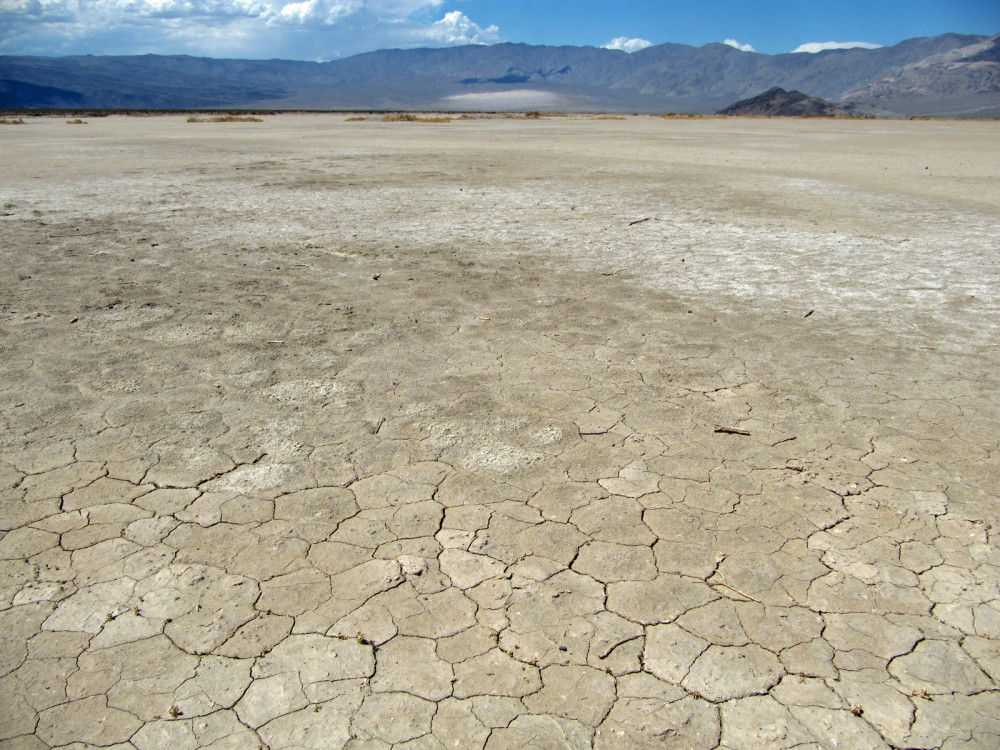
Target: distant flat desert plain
[{"x": 560, "y": 432}]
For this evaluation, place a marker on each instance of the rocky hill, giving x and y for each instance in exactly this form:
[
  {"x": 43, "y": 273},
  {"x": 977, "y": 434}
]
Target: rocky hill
[
  {"x": 776, "y": 102},
  {"x": 950, "y": 74}
]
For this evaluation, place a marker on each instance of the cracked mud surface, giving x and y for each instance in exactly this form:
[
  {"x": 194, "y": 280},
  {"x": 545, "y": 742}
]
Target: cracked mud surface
[{"x": 320, "y": 434}]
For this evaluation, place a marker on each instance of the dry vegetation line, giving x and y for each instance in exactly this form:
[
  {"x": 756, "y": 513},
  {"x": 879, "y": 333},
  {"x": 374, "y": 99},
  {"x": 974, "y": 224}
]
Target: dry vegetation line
[
  {"x": 322, "y": 434},
  {"x": 225, "y": 118}
]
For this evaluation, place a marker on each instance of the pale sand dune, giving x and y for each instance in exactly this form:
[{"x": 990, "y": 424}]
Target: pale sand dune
[
  {"x": 497, "y": 433},
  {"x": 518, "y": 99}
]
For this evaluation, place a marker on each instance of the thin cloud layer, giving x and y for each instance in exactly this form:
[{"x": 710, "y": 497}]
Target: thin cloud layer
[
  {"x": 814, "y": 47},
  {"x": 293, "y": 29},
  {"x": 739, "y": 46},
  {"x": 199, "y": 9},
  {"x": 627, "y": 45}
]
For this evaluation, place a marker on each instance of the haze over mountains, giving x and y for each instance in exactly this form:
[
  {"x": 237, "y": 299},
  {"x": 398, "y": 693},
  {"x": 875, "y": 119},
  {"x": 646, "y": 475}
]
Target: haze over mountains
[{"x": 947, "y": 75}]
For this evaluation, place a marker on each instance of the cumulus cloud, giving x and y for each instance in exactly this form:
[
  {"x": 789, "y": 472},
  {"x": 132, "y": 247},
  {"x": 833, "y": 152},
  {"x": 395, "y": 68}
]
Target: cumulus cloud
[
  {"x": 740, "y": 47},
  {"x": 627, "y": 45},
  {"x": 814, "y": 47},
  {"x": 456, "y": 28},
  {"x": 293, "y": 29},
  {"x": 314, "y": 12}
]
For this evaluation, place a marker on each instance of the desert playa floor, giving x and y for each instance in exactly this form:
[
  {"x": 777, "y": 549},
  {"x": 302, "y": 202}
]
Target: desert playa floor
[{"x": 503, "y": 433}]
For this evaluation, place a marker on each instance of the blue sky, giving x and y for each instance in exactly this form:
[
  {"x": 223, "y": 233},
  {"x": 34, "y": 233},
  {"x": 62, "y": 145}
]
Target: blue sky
[{"x": 328, "y": 29}]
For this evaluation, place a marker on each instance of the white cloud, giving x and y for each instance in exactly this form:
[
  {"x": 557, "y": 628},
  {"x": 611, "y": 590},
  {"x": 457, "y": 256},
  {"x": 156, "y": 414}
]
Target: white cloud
[
  {"x": 814, "y": 47},
  {"x": 627, "y": 45},
  {"x": 314, "y": 12},
  {"x": 456, "y": 28},
  {"x": 291, "y": 29},
  {"x": 37, "y": 9},
  {"x": 181, "y": 8},
  {"x": 740, "y": 47}
]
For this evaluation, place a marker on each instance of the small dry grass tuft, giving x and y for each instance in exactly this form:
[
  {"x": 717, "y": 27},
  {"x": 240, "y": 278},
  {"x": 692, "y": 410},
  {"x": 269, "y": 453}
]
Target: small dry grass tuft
[
  {"x": 355, "y": 119},
  {"x": 76, "y": 121},
  {"x": 609, "y": 117},
  {"x": 5, "y": 121}
]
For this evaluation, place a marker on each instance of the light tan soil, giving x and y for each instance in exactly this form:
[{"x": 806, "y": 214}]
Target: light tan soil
[{"x": 504, "y": 433}]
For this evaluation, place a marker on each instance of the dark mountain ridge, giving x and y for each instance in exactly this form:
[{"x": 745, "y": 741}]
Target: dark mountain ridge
[
  {"x": 666, "y": 77},
  {"x": 776, "y": 102}
]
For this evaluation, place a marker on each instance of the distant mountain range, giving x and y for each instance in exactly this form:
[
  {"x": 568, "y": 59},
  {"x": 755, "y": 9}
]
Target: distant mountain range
[{"x": 947, "y": 75}]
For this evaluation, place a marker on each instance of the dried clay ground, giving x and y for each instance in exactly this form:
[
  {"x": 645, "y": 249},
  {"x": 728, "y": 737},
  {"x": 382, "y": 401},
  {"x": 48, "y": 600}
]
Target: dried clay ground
[{"x": 503, "y": 433}]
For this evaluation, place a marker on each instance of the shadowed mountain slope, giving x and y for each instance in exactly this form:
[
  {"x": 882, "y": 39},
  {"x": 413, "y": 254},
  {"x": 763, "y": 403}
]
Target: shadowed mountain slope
[{"x": 776, "y": 102}]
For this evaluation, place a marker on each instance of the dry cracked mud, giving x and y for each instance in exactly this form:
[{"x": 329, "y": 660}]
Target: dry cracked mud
[{"x": 499, "y": 433}]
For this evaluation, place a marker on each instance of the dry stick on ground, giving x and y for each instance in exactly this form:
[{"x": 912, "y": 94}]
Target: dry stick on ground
[
  {"x": 638, "y": 221},
  {"x": 607, "y": 651},
  {"x": 736, "y": 590},
  {"x": 731, "y": 431}
]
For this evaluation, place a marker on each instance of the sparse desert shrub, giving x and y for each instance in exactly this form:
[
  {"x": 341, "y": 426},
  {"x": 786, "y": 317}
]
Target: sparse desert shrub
[
  {"x": 405, "y": 117},
  {"x": 225, "y": 118},
  {"x": 76, "y": 121},
  {"x": 533, "y": 115},
  {"x": 5, "y": 121},
  {"x": 355, "y": 119},
  {"x": 609, "y": 117}
]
